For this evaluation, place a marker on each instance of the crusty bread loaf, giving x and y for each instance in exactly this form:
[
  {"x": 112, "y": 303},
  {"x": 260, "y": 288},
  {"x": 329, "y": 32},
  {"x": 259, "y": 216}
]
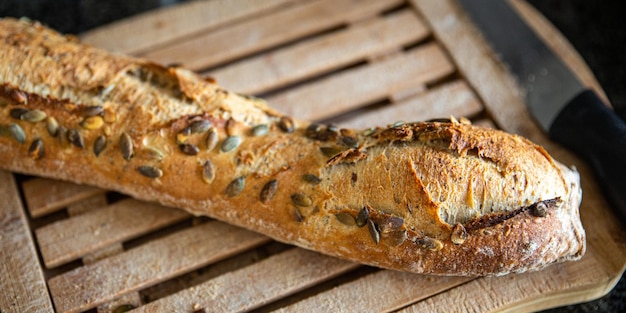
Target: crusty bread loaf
[{"x": 427, "y": 197}]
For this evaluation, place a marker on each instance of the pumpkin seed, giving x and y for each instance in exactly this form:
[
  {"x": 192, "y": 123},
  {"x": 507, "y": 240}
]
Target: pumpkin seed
[
  {"x": 363, "y": 216},
  {"x": 36, "y": 150},
  {"x": 208, "y": 172},
  {"x": 150, "y": 171},
  {"x": 199, "y": 127},
  {"x": 374, "y": 231},
  {"x": 260, "y": 130},
  {"x": 17, "y": 132},
  {"x": 74, "y": 137},
  {"x": 459, "y": 234},
  {"x": 99, "y": 145},
  {"x": 313, "y": 129},
  {"x": 429, "y": 243},
  {"x": 211, "y": 139},
  {"x": 126, "y": 146},
  {"x": 368, "y": 132},
  {"x": 33, "y": 116},
  {"x": 391, "y": 224},
  {"x": 349, "y": 141},
  {"x": 395, "y": 238},
  {"x": 231, "y": 143},
  {"x": 189, "y": 149},
  {"x": 346, "y": 219},
  {"x": 301, "y": 199},
  {"x": 89, "y": 111},
  {"x": 540, "y": 210},
  {"x": 297, "y": 214},
  {"x": 312, "y": 179},
  {"x": 268, "y": 191},
  {"x": 124, "y": 308},
  {"x": 92, "y": 122},
  {"x": 17, "y": 113},
  {"x": 286, "y": 124},
  {"x": 396, "y": 124},
  {"x": 52, "y": 126},
  {"x": 235, "y": 187},
  {"x": 64, "y": 142},
  {"x": 152, "y": 153}
]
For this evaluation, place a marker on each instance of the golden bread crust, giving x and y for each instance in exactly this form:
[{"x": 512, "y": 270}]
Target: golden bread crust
[{"x": 430, "y": 197}]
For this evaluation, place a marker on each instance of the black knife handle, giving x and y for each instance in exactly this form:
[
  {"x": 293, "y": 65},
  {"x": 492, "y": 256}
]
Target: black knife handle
[{"x": 595, "y": 132}]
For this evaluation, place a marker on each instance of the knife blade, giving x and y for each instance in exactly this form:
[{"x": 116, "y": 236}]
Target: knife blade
[{"x": 569, "y": 112}]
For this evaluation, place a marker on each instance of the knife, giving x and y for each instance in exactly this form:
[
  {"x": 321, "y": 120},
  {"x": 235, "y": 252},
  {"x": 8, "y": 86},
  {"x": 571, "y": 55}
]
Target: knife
[{"x": 569, "y": 112}]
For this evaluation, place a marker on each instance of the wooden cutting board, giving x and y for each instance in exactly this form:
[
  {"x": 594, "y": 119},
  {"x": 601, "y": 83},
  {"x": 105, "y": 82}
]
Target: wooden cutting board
[{"x": 69, "y": 248}]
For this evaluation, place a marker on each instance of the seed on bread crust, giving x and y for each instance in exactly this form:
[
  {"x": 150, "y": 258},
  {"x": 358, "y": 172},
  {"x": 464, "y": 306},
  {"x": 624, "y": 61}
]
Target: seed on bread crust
[
  {"x": 429, "y": 243},
  {"x": 126, "y": 146},
  {"x": 235, "y": 187},
  {"x": 189, "y": 149},
  {"x": 17, "y": 132},
  {"x": 33, "y": 116},
  {"x": 374, "y": 231},
  {"x": 99, "y": 145},
  {"x": 211, "y": 139},
  {"x": 36, "y": 150},
  {"x": 362, "y": 216},
  {"x": 208, "y": 172},
  {"x": 346, "y": 218},
  {"x": 92, "y": 122},
  {"x": 52, "y": 126},
  {"x": 74, "y": 137},
  {"x": 268, "y": 191},
  {"x": 231, "y": 143},
  {"x": 286, "y": 124},
  {"x": 150, "y": 171},
  {"x": 301, "y": 199}
]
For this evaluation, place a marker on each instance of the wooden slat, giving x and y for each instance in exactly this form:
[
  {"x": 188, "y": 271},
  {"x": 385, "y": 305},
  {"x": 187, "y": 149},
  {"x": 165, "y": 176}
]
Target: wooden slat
[
  {"x": 364, "y": 85},
  {"x": 266, "y": 31},
  {"x": 454, "y": 98},
  {"x": 72, "y": 238},
  {"x": 322, "y": 54},
  {"x": 45, "y": 196},
  {"x": 383, "y": 291},
  {"x": 22, "y": 284},
  {"x": 528, "y": 292},
  {"x": 160, "y": 26},
  {"x": 148, "y": 264},
  {"x": 255, "y": 285}
]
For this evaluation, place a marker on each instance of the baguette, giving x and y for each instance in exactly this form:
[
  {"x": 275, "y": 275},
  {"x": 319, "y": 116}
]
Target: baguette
[{"x": 442, "y": 198}]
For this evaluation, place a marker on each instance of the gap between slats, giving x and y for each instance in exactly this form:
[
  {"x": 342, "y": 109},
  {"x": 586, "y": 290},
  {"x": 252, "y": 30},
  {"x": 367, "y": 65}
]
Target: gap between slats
[
  {"x": 168, "y": 25},
  {"x": 256, "y": 284},
  {"x": 44, "y": 196},
  {"x": 143, "y": 266},
  {"x": 322, "y": 54},
  {"x": 266, "y": 31},
  {"x": 350, "y": 89},
  {"x": 72, "y": 238}
]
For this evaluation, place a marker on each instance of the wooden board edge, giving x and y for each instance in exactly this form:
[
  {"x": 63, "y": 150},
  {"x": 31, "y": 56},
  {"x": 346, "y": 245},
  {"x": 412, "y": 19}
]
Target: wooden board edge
[{"x": 561, "y": 298}]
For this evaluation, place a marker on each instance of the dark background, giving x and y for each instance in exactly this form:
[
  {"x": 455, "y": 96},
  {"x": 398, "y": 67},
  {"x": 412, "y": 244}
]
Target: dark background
[{"x": 596, "y": 29}]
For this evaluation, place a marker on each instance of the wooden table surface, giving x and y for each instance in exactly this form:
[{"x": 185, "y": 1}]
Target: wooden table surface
[{"x": 69, "y": 248}]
